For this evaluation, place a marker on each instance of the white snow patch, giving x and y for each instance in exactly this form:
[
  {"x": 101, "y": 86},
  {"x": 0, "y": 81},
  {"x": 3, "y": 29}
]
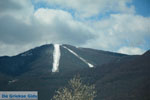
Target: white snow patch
[
  {"x": 90, "y": 65},
  {"x": 26, "y": 54},
  {"x": 12, "y": 81},
  {"x": 56, "y": 57}
]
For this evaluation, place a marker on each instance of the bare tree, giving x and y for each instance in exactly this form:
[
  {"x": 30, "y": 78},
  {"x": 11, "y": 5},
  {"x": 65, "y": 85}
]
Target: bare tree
[{"x": 76, "y": 90}]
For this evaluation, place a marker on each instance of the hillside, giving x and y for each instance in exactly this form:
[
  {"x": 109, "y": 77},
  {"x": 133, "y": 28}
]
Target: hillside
[{"x": 117, "y": 76}]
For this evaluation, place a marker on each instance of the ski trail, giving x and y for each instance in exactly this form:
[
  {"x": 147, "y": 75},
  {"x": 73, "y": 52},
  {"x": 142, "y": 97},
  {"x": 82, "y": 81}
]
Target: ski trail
[
  {"x": 90, "y": 65},
  {"x": 56, "y": 57}
]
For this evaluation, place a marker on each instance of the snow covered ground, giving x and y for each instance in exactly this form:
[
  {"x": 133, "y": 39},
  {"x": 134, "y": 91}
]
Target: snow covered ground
[{"x": 56, "y": 57}]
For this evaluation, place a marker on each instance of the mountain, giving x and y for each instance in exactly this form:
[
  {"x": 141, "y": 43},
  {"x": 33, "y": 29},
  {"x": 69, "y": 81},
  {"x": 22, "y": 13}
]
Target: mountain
[{"x": 48, "y": 67}]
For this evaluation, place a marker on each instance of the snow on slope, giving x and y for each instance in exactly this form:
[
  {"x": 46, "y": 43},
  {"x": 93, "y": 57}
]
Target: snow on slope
[
  {"x": 56, "y": 57},
  {"x": 90, "y": 65}
]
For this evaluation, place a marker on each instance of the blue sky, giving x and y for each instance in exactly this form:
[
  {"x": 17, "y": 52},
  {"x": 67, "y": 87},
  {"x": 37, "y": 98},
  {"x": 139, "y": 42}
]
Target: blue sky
[
  {"x": 120, "y": 26},
  {"x": 142, "y": 7}
]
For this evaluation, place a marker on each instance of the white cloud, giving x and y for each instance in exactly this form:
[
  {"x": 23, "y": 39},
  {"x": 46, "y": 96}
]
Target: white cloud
[
  {"x": 11, "y": 50},
  {"x": 48, "y": 16},
  {"x": 46, "y": 25},
  {"x": 22, "y": 27},
  {"x": 64, "y": 28},
  {"x": 120, "y": 30},
  {"x": 131, "y": 50},
  {"x": 19, "y": 9},
  {"x": 87, "y": 8}
]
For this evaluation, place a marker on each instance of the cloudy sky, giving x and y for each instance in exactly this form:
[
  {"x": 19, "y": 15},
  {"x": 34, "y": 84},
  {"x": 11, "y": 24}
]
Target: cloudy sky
[{"x": 113, "y": 25}]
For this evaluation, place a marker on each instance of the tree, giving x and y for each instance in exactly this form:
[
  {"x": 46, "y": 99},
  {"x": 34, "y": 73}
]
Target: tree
[{"x": 76, "y": 90}]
